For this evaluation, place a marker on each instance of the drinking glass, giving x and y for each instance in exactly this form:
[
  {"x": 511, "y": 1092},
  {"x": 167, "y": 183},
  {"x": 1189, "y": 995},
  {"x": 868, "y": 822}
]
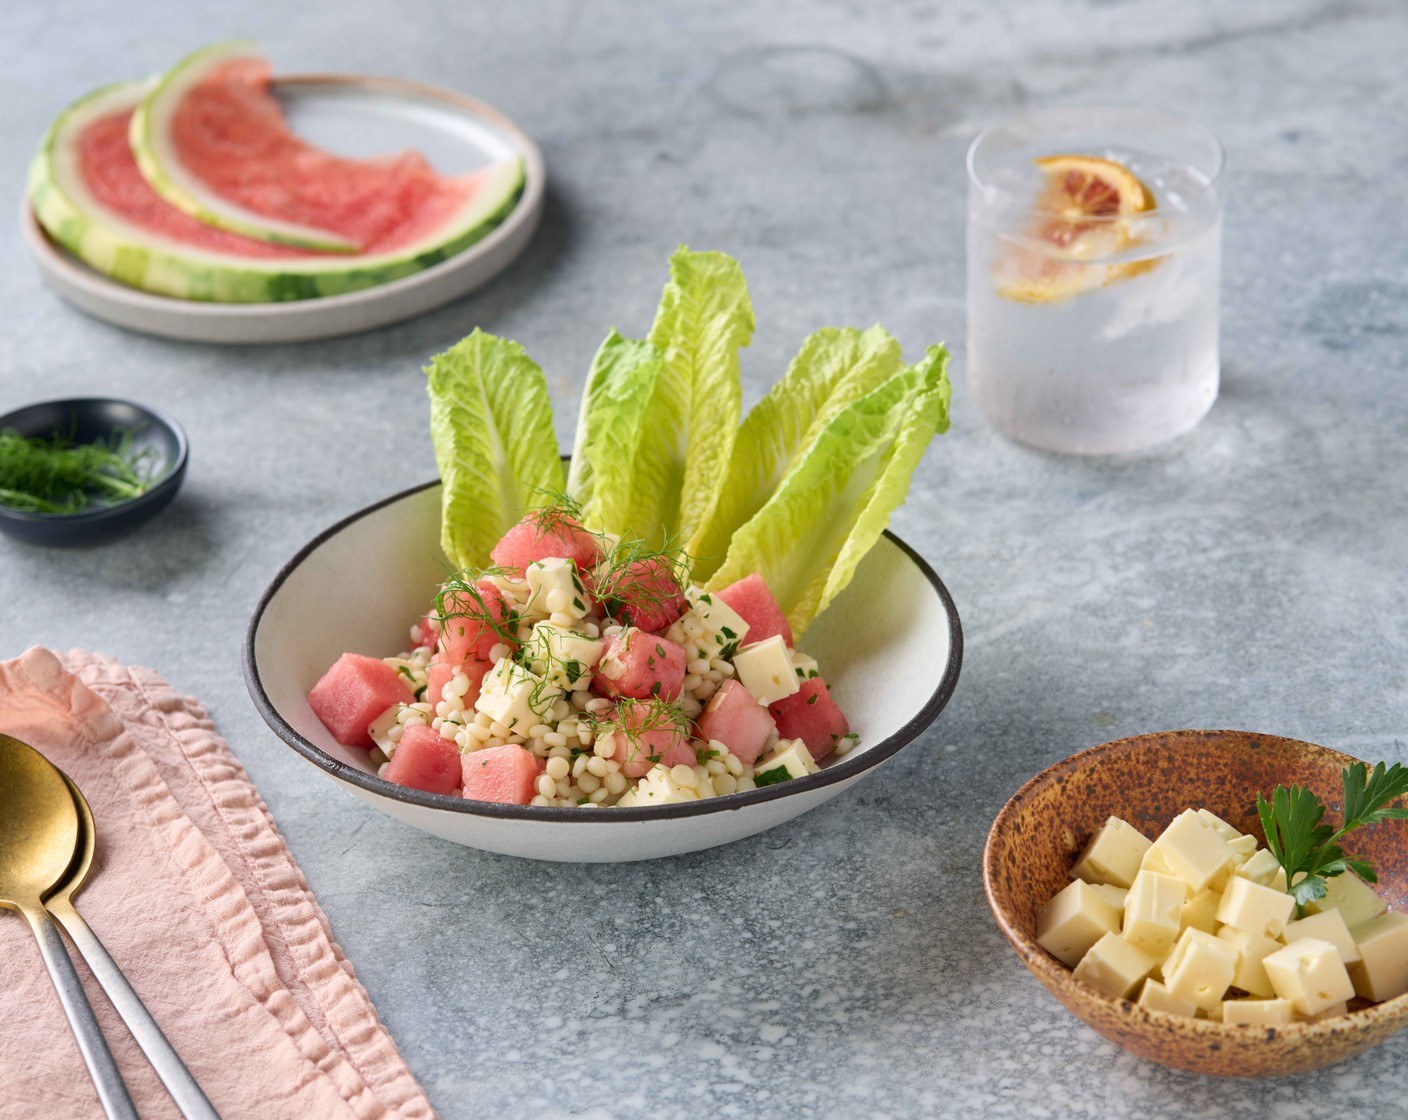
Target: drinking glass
[{"x": 1094, "y": 261}]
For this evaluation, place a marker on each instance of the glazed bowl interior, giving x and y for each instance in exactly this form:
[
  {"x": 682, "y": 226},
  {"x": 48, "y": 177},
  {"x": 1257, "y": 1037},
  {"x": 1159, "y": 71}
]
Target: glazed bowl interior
[
  {"x": 890, "y": 648},
  {"x": 88, "y": 420},
  {"x": 1147, "y": 781}
]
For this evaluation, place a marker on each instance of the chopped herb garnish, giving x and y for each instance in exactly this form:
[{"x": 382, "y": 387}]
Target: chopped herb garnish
[
  {"x": 812, "y": 698},
  {"x": 59, "y": 475},
  {"x": 771, "y": 777},
  {"x": 727, "y": 633}
]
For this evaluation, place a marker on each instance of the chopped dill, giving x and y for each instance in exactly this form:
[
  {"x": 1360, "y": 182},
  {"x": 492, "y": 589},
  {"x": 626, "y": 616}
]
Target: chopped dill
[{"x": 59, "y": 475}]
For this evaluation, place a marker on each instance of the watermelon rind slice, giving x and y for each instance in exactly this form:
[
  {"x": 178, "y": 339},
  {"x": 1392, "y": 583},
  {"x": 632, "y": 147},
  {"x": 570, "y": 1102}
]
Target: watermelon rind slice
[
  {"x": 169, "y": 177},
  {"x": 109, "y": 243}
]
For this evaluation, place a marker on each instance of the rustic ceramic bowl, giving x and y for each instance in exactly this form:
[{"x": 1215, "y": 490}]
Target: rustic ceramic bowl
[{"x": 1148, "y": 780}]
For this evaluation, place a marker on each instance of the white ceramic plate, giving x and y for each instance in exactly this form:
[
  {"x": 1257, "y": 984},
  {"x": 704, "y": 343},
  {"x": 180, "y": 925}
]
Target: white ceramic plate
[
  {"x": 890, "y": 647},
  {"x": 352, "y": 116}
]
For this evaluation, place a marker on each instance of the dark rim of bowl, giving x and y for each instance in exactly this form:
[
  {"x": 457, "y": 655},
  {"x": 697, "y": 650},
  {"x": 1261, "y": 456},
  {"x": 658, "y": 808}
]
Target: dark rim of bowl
[
  {"x": 174, "y": 468},
  {"x": 839, "y": 771},
  {"x": 1039, "y": 960}
]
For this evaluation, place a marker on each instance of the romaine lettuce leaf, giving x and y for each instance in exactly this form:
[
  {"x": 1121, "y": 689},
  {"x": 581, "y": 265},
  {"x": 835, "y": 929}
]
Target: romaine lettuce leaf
[
  {"x": 491, "y": 423},
  {"x": 691, "y": 423},
  {"x": 619, "y": 386},
  {"x": 810, "y": 536},
  {"x": 834, "y": 367}
]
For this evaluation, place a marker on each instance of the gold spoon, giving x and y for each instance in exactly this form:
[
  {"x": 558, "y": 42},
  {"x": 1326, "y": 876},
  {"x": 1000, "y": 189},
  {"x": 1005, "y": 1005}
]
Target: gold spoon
[
  {"x": 184, "y": 1089},
  {"x": 39, "y": 836}
]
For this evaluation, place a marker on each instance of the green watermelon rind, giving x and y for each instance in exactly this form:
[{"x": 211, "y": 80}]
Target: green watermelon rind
[
  {"x": 159, "y": 265},
  {"x": 161, "y": 170}
]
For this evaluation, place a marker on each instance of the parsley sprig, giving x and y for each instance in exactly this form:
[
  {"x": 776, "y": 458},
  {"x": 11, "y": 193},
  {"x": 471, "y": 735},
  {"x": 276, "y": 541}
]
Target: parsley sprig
[{"x": 1304, "y": 845}]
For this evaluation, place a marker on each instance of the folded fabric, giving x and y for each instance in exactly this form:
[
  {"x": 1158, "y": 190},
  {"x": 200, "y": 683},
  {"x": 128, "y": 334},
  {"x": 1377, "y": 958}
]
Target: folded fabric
[{"x": 197, "y": 897}]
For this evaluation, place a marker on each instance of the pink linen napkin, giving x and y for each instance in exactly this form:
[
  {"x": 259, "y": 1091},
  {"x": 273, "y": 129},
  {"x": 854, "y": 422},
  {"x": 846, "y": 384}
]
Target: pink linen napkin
[{"x": 197, "y": 897}]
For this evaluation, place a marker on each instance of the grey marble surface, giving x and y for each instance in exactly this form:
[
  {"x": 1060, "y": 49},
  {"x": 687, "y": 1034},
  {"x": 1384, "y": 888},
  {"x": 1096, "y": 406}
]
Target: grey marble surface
[{"x": 1249, "y": 575}]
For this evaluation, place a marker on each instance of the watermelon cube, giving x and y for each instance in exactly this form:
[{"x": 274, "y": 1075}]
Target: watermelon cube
[
  {"x": 644, "y": 737},
  {"x": 439, "y": 673},
  {"x": 467, "y": 623},
  {"x": 425, "y": 760},
  {"x": 543, "y": 534},
  {"x": 354, "y": 692},
  {"x": 636, "y": 664},
  {"x": 426, "y": 632},
  {"x": 506, "y": 774},
  {"x": 738, "y": 721},
  {"x": 643, "y": 593},
  {"x": 755, "y": 604},
  {"x": 811, "y": 715}
]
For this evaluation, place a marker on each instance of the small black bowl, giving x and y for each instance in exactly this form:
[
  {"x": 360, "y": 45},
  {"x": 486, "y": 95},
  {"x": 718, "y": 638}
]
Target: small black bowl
[{"x": 91, "y": 419}]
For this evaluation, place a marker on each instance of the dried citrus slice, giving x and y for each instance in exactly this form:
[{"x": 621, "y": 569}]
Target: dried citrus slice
[{"x": 1087, "y": 198}]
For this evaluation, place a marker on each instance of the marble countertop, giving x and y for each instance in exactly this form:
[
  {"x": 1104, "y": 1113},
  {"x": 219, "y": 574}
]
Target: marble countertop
[{"x": 1249, "y": 575}]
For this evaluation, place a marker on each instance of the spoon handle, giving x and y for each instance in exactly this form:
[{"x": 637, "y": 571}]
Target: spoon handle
[
  {"x": 179, "y": 1082},
  {"x": 94, "y": 1048}
]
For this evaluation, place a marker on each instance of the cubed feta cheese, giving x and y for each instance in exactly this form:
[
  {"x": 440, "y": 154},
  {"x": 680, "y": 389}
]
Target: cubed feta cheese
[
  {"x": 1156, "y": 997},
  {"x": 1257, "y": 1012},
  {"x": 1328, "y": 925},
  {"x": 1218, "y": 825},
  {"x": 1114, "y": 966},
  {"x": 1200, "y": 911},
  {"x": 659, "y": 787},
  {"x": 1352, "y": 897},
  {"x": 1310, "y": 974},
  {"x": 1382, "y": 970},
  {"x": 1152, "y": 912},
  {"x": 514, "y": 697},
  {"x": 1073, "y": 921},
  {"x": 1255, "y": 908},
  {"x": 765, "y": 669},
  {"x": 804, "y": 665},
  {"x": 721, "y": 620},
  {"x": 1193, "y": 851},
  {"x": 1263, "y": 867},
  {"x": 1204, "y": 968},
  {"x": 792, "y": 755},
  {"x": 1112, "y": 855},
  {"x": 380, "y": 729},
  {"x": 555, "y": 588},
  {"x": 565, "y": 656},
  {"x": 1252, "y": 950},
  {"x": 1112, "y": 894}
]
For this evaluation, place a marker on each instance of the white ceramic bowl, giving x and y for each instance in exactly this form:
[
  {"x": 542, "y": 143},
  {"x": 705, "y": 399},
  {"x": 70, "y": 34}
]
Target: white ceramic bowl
[{"x": 890, "y": 647}]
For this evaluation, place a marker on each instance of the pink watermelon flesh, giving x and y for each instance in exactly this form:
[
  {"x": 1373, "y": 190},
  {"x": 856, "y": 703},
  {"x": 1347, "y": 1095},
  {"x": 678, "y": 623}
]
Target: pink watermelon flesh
[
  {"x": 638, "y": 750},
  {"x": 643, "y": 665},
  {"x": 437, "y": 676},
  {"x": 811, "y": 715},
  {"x": 734, "y": 717},
  {"x": 467, "y": 632},
  {"x": 426, "y": 632},
  {"x": 755, "y": 604},
  {"x": 230, "y": 134},
  {"x": 353, "y": 693},
  {"x": 538, "y": 537},
  {"x": 424, "y": 760},
  {"x": 504, "y": 774},
  {"x": 645, "y": 594},
  {"x": 442, "y": 671}
]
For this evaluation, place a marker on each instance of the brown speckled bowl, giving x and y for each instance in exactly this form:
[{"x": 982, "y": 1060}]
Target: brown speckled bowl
[{"x": 1148, "y": 780}]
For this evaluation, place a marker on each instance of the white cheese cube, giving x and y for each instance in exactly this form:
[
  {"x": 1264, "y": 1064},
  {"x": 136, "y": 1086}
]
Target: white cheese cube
[
  {"x": 1114, "y": 966},
  {"x": 1152, "y": 912},
  {"x": 1262, "y": 867},
  {"x": 721, "y": 620},
  {"x": 515, "y": 697},
  {"x": 1352, "y": 897},
  {"x": 1156, "y": 997},
  {"x": 765, "y": 669},
  {"x": 1382, "y": 970},
  {"x": 563, "y": 656},
  {"x": 1112, "y": 855},
  {"x": 805, "y": 666},
  {"x": 1074, "y": 920},
  {"x": 1334, "y": 1010},
  {"x": 1220, "y": 826},
  {"x": 792, "y": 755},
  {"x": 1194, "y": 852},
  {"x": 1200, "y": 911},
  {"x": 380, "y": 729},
  {"x": 1328, "y": 925},
  {"x": 1201, "y": 968},
  {"x": 555, "y": 588},
  {"x": 1254, "y": 908},
  {"x": 1310, "y": 974},
  {"x": 1257, "y": 1012},
  {"x": 1252, "y": 950},
  {"x": 1115, "y": 896},
  {"x": 659, "y": 787}
]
